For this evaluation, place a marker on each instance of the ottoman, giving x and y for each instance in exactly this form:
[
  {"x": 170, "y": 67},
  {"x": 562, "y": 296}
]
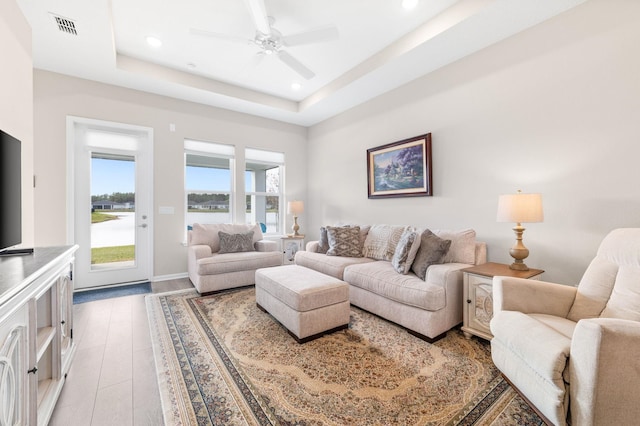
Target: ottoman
[{"x": 306, "y": 302}]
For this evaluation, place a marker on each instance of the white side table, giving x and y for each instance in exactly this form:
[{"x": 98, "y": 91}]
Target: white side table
[
  {"x": 290, "y": 246},
  {"x": 478, "y": 295}
]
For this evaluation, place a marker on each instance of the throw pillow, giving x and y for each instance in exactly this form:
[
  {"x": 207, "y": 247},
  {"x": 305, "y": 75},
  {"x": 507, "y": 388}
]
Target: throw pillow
[
  {"x": 406, "y": 251},
  {"x": 382, "y": 240},
  {"x": 463, "y": 245},
  {"x": 323, "y": 243},
  {"x": 431, "y": 252},
  {"x": 234, "y": 243},
  {"x": 344, "y": 241}
]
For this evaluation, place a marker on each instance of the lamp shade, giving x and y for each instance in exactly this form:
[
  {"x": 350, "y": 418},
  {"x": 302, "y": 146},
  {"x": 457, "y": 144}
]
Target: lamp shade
[
  {"x": 520, "y": 208},
  {"x": 295, "y": 207}
]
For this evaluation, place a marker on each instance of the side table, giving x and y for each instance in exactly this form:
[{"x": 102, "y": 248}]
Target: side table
[
  {"x": 290, "y": 246},
  {"x": 478, "y": 295}
]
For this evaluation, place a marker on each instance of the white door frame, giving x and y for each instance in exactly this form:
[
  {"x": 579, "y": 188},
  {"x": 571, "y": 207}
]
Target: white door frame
[{"x": 143, "y": 270}]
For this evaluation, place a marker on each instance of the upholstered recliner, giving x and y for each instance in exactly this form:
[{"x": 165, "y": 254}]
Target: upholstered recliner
[
  {"x": 213, "y": 267},
  {"x": 574, "y": 352}
]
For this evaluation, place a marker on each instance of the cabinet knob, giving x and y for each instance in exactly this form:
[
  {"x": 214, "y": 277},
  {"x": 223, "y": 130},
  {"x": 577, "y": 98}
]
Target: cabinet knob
[
  {"x": 468, "y": 300},
  {"x": 63, "y": 322}
]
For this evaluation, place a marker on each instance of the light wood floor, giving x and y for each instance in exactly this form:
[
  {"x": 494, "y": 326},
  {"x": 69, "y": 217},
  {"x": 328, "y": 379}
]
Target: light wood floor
[{"x": 112, "y": 380}]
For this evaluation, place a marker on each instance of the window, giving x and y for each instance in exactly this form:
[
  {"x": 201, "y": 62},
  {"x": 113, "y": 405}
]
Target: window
[
  {"x": 264, "y": 175},
  {"x": 209, "y": 170}
]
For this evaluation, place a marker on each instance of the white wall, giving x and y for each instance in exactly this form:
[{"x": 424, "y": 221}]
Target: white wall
[
  {"x": 16, "y": 100},
  {"x": 554, "y": 110},
  {"x": 57, "y": 96}
]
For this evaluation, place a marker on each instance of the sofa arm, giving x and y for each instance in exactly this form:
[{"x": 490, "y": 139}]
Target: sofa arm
[
  {"x": 604, "y": 372},
  {"x": 312, "y": 246},
  {"x": 266, "y": 245},
  {"x": 532, "y": 296},
  {"x": 199, "y": 251}
]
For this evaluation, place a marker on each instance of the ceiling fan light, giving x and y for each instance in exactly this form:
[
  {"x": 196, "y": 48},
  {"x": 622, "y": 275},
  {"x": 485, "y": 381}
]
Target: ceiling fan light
[{"x": 409, "y": 4}]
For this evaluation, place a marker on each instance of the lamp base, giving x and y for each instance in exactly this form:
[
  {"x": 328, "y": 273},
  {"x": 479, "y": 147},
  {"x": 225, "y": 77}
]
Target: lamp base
[
  {"x": 519, "y": 252},
  {"x": 518, "y": 266}
]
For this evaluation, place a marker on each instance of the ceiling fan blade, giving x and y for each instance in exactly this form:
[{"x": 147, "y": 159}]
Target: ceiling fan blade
[
  {"x": 259, "y": 15},
  {"x": 295, "y": 65},
  {"x": 314, "y": 36},
  {"x": 212, "y": 34}
]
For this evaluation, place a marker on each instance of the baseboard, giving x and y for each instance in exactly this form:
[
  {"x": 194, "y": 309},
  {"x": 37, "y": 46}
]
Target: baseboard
[{"x": 169, "y": 277}]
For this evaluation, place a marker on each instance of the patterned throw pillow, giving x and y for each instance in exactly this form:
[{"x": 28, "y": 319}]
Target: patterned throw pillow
[
  {"x": 323, "y": 243},
  {"x": 234, "y": 243},
  {"x": 344, "y": 241},
  {"x": 406, "y": 251},
  {"x": 432, "y": 251},
  {"x": 382, "y": 240}
]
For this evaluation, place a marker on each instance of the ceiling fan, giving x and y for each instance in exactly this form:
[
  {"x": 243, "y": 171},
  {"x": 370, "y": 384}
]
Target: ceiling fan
[{"x": 272, "y": 42}]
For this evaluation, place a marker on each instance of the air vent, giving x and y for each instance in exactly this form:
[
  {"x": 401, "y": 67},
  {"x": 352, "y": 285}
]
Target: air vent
[{"x": 65, "y": 25}]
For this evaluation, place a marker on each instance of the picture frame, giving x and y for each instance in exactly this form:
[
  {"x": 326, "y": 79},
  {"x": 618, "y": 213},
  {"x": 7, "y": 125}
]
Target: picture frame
[{"x": 400, "y": 169}]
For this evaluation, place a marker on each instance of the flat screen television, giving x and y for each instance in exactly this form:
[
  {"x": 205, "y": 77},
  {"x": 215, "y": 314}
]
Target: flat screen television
[{"x": 10, "y": 193}]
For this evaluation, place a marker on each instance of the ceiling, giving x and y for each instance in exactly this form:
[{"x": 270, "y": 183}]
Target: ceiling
[{"x": 379, "y": 46}]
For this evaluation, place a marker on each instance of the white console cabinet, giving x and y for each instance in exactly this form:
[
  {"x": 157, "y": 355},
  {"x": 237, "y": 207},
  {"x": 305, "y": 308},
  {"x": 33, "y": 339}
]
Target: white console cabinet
[{"x": 36, "y": 333}]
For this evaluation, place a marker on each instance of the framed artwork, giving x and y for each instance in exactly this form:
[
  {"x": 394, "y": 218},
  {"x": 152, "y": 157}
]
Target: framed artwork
[{"x": 400, "y": 169}]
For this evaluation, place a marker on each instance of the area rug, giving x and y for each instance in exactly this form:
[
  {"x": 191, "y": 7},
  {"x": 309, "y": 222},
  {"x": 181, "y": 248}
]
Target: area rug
[
  {"x": 222, "y": 361},
  {"x": 111, "y": 292}
]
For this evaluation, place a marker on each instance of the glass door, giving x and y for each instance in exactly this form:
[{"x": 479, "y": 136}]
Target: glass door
[{"x": 112, "y": 192}]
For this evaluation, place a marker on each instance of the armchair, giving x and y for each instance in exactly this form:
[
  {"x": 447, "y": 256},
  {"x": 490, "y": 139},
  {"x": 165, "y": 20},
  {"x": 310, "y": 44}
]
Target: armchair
[
  {"x": 572, "y": 352},
  {"x": 213, "y": 269}
]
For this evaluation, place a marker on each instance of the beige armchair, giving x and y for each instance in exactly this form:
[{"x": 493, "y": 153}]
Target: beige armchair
[
  {"x": 213, "y": 267},
  {"x": 574, "y": 352}
]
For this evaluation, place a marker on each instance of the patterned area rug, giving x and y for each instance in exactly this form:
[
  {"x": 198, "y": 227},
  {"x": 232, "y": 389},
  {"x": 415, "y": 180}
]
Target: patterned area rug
[{"x": 222, "y": 361}]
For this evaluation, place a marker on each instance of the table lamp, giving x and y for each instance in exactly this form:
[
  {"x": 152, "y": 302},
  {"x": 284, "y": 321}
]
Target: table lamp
[
  {"x": 295, "y": 208},
  {"x": 520, "y": 208}
]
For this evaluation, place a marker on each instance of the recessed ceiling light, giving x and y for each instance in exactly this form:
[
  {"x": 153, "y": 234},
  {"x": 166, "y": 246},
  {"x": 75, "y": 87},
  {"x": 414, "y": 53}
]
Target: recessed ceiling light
[
  {"x": 409, "y": 4},
  {"x": 296, "y": 86},
  {"x": 154, "y": 41}
]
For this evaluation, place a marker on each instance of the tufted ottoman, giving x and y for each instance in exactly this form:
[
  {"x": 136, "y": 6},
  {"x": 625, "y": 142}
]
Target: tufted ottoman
[{"x": 306, "y": 302}]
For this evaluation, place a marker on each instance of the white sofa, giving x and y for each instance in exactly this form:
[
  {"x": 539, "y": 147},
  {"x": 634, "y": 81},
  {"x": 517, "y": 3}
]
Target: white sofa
[
  {"x": 212, "y": 270},
  {"x": 427, "y": 308},
  {"x": 572, "y": 352}
]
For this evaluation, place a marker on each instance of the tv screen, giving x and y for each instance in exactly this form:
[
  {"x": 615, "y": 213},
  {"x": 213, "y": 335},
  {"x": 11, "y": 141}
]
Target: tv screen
[{"x": 10, "y": 192}]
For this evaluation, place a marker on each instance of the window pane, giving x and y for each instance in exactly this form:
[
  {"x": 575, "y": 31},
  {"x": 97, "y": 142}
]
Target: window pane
[
  {"x": 207, "y": 173},
  {"x": 262, "y": 178},
  {"x": 264, "y": 209},
  {"x": 113, "y": 235},
  {"x": 208, "y": 188}
]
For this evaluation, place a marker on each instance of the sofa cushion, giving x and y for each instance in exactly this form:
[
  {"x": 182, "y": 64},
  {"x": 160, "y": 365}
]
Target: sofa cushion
[
  {"x": 625, "y": 297},
  {"x": 236, "y": 262},
  {"x": 208, "y": 233},
  {"x": 463, "y": 245},
  {"x": 329, "y": 265},
  {"x": 344, "y": 241},
  {"x": 380, "y": 278},
  {"x": 594, "y": 289},
  {"x": 234, "y": 243},
  {"x": 406, "y": 251},
  {"x": 382, "y": 240},
  {"x": 432, "y": 251}
]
